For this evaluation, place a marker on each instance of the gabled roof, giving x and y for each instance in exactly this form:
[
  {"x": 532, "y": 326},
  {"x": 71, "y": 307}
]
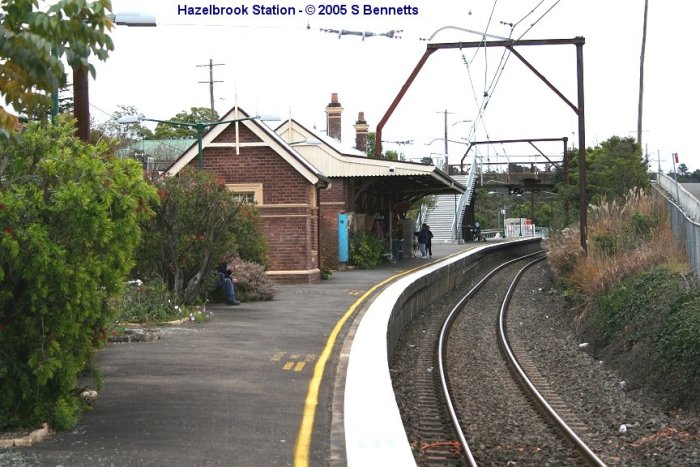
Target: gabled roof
[
  {"x": 333, "y": 161},
  {"x": 266, "y": 136}
]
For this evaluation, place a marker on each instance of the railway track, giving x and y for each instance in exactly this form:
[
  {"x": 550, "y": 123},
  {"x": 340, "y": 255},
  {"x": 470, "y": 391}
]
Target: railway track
[{"x": 466, "y": 403}]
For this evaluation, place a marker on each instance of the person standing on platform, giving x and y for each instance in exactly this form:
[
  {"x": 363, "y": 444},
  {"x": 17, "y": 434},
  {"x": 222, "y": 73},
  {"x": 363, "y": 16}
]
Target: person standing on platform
[
  {"x": 429, "y": 241},
  {"x": 424, "y": 236}
]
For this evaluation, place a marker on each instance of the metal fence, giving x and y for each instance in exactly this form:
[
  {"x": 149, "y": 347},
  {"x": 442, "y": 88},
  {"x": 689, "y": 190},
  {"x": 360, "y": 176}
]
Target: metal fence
[{"x": 686, "y": 229}]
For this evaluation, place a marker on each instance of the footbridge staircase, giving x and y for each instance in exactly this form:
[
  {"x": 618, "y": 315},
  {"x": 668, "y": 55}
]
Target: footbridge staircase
[{"x": 445, "y": 219}]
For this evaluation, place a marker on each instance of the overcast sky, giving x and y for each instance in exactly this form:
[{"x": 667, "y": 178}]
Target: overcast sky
[{"x": 286, "y": 64}]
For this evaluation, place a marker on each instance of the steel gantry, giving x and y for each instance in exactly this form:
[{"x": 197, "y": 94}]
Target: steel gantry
[{"x": 510, "y": 45}]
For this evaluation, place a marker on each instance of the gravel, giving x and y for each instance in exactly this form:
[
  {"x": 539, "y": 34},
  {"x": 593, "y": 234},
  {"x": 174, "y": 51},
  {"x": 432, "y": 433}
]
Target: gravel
[{"x": 624, "y": 426}]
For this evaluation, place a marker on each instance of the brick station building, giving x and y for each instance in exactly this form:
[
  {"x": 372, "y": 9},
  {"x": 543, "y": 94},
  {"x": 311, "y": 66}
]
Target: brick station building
[{"x": 300, "y": 181}]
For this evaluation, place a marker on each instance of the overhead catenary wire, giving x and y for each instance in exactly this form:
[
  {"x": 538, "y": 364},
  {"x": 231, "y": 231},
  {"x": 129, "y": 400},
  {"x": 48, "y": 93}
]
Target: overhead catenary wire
[{"x": 489, "y": 89}]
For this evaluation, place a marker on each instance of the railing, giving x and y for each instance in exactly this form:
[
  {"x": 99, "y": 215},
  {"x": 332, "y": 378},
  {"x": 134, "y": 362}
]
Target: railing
[
  {"x": 689, "y": 203},
  {"x": 421, "y": 216},
  {"x": 686, "y": 230}
]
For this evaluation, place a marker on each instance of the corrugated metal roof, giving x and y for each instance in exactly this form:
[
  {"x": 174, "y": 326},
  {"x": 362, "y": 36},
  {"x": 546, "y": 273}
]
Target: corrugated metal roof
[{"x": 332, "y": 162}]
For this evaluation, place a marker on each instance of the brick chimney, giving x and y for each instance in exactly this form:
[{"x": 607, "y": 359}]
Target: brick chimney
[
  {"x": 333, "y": 122},
  {"x": 361, "y": 128}
]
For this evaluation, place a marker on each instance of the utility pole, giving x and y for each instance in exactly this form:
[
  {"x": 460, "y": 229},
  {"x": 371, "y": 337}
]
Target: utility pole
[
  {"x": 211, "y": 82},
  {"x": 445, "y": 112},
  {"x": 641, "y": 75}
]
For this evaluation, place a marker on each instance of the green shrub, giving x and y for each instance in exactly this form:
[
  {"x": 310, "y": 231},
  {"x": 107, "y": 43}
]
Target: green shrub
[
  {"x": 68, "y": 229},
  {"x": 650, "y": 325},
  {"x": 365, "y": 251},
  {"x": 677, "y": 343},
  {"x": 250, "y": 242},
  {"x": 197, "y": 221},
  {"x": 643, "y": 225},
  {"x": 606, "y": 244},
  {"x": 627, "y": 311}
]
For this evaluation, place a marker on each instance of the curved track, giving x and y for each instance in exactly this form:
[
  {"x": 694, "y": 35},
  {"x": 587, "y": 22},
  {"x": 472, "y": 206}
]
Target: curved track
[{"x": 466, "y": 404}]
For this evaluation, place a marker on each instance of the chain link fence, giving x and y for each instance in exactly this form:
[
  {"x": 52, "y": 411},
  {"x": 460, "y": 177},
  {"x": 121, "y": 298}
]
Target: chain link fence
[{"x": 684, "y": 211}]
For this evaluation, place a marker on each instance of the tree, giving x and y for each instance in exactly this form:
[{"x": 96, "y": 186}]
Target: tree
[
  {"x": 34, "y": 39},
  {"x": 125, "y": 134},
  {"x": 196, "y": 222},
  {"x": 195, "y": 115},
  {"x": 614, "y": 167},
  {"x": 391, "y": 155},
  {"x": 69, "y": 224},
  {"x": 371, "y": 145}
]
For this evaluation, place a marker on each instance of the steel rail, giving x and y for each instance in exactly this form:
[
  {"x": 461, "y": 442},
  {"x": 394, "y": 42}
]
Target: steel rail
[
  {"x": 588, "y": 455},
  {"x": 442, "y": 343}
]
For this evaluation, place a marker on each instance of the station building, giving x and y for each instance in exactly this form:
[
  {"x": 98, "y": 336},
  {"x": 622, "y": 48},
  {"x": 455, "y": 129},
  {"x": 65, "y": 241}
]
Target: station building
[{"x": 301, "y": 180}]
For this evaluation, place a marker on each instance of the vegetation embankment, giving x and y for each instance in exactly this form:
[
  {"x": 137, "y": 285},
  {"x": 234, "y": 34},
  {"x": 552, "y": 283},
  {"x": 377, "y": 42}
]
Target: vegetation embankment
[{"x": 634, "y": 297}]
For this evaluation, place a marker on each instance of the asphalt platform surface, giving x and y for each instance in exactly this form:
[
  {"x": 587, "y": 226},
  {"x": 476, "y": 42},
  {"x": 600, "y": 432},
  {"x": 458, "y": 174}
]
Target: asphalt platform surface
[{"x": 230, "y": 391}]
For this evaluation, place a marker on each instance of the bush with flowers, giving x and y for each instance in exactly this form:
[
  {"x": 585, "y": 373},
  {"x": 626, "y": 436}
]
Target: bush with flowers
[
  {"x": 253, "y": 284},
  {"x": 151, "y": 303}
]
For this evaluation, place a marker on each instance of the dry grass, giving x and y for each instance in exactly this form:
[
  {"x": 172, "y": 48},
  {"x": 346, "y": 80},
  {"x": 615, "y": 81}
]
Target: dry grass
[{"x": 624, "y": 238}]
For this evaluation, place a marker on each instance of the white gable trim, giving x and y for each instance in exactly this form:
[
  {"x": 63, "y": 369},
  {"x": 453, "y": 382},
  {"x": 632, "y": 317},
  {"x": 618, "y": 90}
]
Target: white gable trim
[{"x": 269, "y": 139}]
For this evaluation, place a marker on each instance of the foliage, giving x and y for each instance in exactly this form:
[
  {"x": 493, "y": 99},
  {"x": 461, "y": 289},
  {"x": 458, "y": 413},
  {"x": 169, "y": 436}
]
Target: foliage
[
  {"x": 684, "y": 176},
  {"x": 252, "y": 282},
  {"x": 326, "y": 272},
  {"x": 69, "y": 218},
  {"x": 429, "y": 201},
  {"x": 197, "y": 221},
  {"x": 653, "y": 311},
  {"x": 613, "y": 168},
  {"x": 677, "y": 344},
  {"x": 391, "y": 155},
  {"x": 624, "y": 239},
  {"x": 633, "y": 300},
  {"x": 195, "y": 115},
  {"x": 35, "y": 38},
  {"x": 623, "y": 313},
  {"x": 365, "y": 251},
  {"x": 372, "y": 144},
  {"x": 149, "y": 302},
  {"x": 250, "y": 242},
  {"x": 125, "y": 133},
  {"x": 548, "y": 209}
]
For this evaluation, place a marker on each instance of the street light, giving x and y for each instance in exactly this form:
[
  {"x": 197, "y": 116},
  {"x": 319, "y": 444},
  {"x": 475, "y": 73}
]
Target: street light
[{"x": 200, "y": 127}]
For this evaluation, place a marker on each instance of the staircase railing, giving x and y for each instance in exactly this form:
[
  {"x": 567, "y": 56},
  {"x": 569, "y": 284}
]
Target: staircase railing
[
  {"x": 421, "y": 216},
  {"x": 464, "y": 200}
]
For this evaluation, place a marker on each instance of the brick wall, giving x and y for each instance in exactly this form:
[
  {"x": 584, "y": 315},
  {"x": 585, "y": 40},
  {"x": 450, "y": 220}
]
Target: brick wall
[
  {"x": 334, "y": 200},
  {"x": 288, "y": 212}
]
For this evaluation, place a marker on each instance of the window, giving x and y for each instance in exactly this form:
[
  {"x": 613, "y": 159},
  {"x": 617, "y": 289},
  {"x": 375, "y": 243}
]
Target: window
[
  {"x": 250, "y": 193},
  {"x": 247, "y": 197}
]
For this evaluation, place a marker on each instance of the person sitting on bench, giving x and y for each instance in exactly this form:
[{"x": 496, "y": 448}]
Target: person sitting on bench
[{"x": 226, "y": 279}]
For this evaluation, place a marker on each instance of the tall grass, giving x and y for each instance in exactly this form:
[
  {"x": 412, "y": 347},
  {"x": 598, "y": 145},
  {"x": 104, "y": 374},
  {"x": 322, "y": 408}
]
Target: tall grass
[{"x": 625, "y": 237}]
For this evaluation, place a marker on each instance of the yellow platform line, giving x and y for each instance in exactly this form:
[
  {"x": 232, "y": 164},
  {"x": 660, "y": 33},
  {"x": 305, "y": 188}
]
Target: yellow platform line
[{"x": 303, "y": 443}]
